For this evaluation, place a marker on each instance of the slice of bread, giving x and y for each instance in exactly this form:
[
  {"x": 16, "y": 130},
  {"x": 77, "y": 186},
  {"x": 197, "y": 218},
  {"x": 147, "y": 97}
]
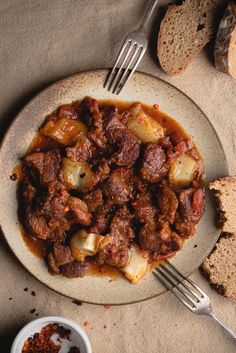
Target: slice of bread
[
  {"x": 225, "y": 46},
  {"x": 184, "y": 31},
  {"x": 220, "y": 266},
  {"x": 225, "y": 191}
]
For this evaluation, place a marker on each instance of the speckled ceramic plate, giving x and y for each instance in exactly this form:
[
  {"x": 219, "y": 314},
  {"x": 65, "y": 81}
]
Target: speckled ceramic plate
[{"x": 141, "y": 87}]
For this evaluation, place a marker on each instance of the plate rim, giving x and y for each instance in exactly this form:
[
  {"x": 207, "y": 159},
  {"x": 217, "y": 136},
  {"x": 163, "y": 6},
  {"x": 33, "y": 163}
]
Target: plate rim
[{"x": 58, "y": 83}]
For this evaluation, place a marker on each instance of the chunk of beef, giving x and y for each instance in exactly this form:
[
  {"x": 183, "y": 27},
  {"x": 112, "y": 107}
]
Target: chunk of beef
[
  {"x": 102, "y": 171},
  {"x": 93, "y": 200},
  {"x": 67, "y": 111},
  {"x": 183, "y": 227},
  {"x": 167, "y": 202},
  {"x": 62, "y": 254},
  {"x": 43, "y": 166},
  {"x": 153, "y": 165},
  {"x": 53, "y": 208},
  {"x": 117, "y": 252},
  {"x": 102, "y": 219},
  {"x": 118, "y": 188},
  {"x": 37, "y": 225},
  {"x": 52, "y": 264},
  {"x": 89, "y": 112},
  {"x": 145, "y": 210},
  {"x": 118, "y": 134},
  {"x": 192, "y": 204},
  {"x": 74, "y": 269},
  {"x": 79, "y": 212},
  {"x": 159, "y": 242},
  {"x": 81, "y": 151},
  {"x": 53, "y": 203},
  {"x": 45, "y": 214},
  {"x": 190, "y": 211}
]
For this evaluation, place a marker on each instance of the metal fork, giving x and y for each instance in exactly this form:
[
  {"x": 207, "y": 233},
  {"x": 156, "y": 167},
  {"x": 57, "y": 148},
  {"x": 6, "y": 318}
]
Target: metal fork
[
  {"x": 130, "y": 55},
  {"x": 188, "y": 293}
]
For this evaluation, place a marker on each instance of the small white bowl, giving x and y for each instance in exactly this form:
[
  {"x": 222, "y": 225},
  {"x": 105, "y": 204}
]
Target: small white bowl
[{"x": 78, "y": 337}]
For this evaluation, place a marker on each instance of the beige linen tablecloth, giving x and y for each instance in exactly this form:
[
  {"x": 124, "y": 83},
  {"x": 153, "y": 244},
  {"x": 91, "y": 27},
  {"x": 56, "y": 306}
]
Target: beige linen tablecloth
[{"x": 42, "y": 41}]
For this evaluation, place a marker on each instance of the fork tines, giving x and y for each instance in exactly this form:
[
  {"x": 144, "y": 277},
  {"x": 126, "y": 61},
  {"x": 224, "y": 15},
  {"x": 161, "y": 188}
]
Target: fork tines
[
  {"x": 184, "y": 289},
  {"x": 126, "y": 63}
]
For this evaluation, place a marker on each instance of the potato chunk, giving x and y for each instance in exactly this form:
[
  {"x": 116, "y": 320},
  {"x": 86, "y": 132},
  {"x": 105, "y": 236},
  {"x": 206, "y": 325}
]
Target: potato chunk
[
  {"x": 137, "y": 266},
  {"x": 182, "y": 170},
  {"x": 143, "y": 126},
  {"x": 84, "y": 244},
  {"x": 65, "y": 131},
  {"x": 77, "y": 175}
]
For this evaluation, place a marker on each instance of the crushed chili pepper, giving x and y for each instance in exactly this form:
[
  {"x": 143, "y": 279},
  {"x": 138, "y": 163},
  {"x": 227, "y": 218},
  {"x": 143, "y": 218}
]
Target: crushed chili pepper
[
  {"x": 42, "y": 342},
  {"x": 107, "y": 306},
  {"x": 13, "y": 177},
  {"x": 77, "y": 302},
  {"x": 86, "y": 323}
]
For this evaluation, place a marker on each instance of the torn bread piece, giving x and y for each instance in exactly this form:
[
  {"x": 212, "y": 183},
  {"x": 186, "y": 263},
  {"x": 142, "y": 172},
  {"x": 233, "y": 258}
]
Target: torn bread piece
[
  {"x": 225, "y": 46},
  {"x": 220, "y": 266},
  {"x": 225, "y": 191}
]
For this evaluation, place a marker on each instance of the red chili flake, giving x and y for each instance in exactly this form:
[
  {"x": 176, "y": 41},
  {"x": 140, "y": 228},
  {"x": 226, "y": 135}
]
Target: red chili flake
[
  {"x": 77, "y": 302},
  {"x": 156, "y": 106},
  {"x": 86, "y": 323},
  {"x": 13, "y": 177},
  {"x": 134, "y": 204},
  {"x": 41, "y": 342},
  {"x": 107, "y": 306}
]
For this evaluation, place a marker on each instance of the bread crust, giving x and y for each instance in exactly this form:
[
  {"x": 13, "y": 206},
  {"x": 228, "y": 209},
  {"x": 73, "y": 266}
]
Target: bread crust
[
  {"x": 219, "y": 267},
  {"x": 225, "y": 46},
  {"x": 199, "y": 30}
]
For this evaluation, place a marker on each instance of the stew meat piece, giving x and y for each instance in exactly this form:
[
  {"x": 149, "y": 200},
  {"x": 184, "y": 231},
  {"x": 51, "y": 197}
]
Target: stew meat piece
[
  {"x": 93, "y": 200},
  {"x": 79, "y": 211},
  {"x": 43, "y": 166},
  {"x": 101, "y": 219},
  {"x": 118, "y": 187},
  {"x": 118, "y": 134},
  {"x": 117, "y": 253},
  {"x": 167, "y": 202},
  {"x": 153, "y": 163},
  {"x": 144, "y": 209},
  {"x": 81, "y": 151},
  {"x": 75, "y": 269},
  {"x": 191, "y": 210},
  {"x": 45, "y": 214},
  {"x": 89, "y": 112},
  {"x": 159, "y": 241}
]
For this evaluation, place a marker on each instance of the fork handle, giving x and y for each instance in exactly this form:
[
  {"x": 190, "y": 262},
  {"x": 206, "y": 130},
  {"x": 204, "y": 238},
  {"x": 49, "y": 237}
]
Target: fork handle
[
  {"x": 148, "y": 14},
  {"x": 229, "y": 332}
]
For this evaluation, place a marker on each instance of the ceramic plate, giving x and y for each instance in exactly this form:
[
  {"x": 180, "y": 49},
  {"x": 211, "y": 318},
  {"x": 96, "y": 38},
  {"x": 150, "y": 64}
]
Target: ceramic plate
[{"x": 141, "y": 87}]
